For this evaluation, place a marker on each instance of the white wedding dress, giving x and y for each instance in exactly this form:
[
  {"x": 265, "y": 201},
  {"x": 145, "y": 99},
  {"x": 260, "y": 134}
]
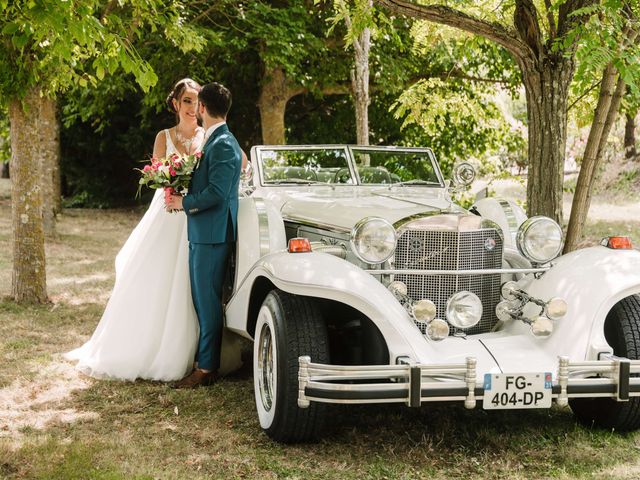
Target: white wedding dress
[{"x": 149, "y": 328}]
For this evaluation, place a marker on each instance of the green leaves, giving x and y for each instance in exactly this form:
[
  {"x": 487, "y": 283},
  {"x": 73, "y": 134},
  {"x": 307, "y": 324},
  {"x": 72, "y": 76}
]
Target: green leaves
[
  {"x": 10, "y": 28},
  {"x": 461, "y": 119},
  {"x": 608, "y": 37},
  {"x": 61, "y": 43}
]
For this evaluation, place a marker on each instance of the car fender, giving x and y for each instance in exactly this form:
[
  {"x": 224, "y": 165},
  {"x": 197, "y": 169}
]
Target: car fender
[
  {"x": 260, "y": 232},
  {"x": 506, "y": 213},
  {"x": 321, "y": 275},
  {"x": 591, "y": 281}
]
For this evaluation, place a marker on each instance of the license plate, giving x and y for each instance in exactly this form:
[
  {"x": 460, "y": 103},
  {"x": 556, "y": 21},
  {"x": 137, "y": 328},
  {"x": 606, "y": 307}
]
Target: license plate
[{"x": 516, "y": 390}]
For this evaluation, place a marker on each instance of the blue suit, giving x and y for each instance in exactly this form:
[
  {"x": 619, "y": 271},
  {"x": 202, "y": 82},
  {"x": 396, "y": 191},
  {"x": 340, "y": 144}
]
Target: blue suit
[{"x": 212, "y": 211}]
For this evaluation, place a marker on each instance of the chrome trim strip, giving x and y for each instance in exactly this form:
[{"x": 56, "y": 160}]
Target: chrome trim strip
[
  {"x": 511, "y": 216},
  {"x": 403, "y": 221},
  {"x": 263, "y": 226},
  {"x": 317, "y": 382},
  {"x": 322, "y": 226},
  {"x": 487, "y": 271},
  {"x": 460, "y": 221}
]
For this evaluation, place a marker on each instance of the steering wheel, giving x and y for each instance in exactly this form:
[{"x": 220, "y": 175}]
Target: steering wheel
[{"x": 342, "y": 176}]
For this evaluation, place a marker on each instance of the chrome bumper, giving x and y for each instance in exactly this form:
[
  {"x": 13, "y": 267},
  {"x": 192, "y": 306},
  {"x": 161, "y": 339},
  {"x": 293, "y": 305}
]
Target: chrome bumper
[{"x": 415, "y": 384}]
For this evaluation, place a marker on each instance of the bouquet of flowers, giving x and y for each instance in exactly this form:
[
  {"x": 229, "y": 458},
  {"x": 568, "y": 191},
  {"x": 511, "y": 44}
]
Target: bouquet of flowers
[{"x": 172, "y": 173}]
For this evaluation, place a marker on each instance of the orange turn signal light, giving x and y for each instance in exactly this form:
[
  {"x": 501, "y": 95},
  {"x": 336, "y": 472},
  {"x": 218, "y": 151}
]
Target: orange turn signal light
[
  {"x": 299, "y": 245},
  {"x": 617, "y": 243}
]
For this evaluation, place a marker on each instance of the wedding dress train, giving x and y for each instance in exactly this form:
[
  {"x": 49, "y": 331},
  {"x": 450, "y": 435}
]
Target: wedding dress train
[{"x": 149, "y": 328}]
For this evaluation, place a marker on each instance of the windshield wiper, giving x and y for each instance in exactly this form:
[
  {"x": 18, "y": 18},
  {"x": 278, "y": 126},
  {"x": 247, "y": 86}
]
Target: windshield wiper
[{"x": 415, "y": 181}]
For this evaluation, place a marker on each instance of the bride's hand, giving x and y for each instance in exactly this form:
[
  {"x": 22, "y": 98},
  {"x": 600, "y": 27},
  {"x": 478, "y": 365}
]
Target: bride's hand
[{"x": 174, "y": 203}]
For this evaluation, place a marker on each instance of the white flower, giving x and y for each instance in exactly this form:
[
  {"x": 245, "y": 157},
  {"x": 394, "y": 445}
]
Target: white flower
[{"x": 165, "y": 171}]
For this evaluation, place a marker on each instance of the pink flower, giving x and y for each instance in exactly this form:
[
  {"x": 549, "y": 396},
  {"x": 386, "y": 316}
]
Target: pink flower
[
  {"x": 147, "y": 168},
  {"x": 172, "y": 172},
  {"x": 198, "y": 154}
]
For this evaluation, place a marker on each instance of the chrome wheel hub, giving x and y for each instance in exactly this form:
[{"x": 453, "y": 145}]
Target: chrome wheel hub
[{"x": 265, "y": 368}]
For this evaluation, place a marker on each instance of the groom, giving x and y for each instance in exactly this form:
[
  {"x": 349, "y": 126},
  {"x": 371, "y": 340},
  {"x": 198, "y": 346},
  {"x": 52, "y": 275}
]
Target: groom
[{"x": 212, "y": 208}]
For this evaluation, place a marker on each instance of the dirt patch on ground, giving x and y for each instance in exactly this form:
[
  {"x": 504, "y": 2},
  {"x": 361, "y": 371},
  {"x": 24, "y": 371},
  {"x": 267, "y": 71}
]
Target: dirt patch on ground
[
  {"x": 605, "y": 205},
  {"x": 38, "y": 402}
]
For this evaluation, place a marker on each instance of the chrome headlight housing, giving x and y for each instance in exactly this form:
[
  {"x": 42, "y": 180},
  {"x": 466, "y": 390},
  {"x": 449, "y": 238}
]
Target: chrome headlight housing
[
  {"x": 373, "y": 240},
  {"x": 539, "y": 239},
  {"x": 464, "y": 310}
]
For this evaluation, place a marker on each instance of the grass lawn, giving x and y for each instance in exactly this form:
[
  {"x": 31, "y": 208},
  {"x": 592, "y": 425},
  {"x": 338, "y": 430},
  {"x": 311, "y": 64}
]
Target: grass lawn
[{"x": 58, "y": 424}]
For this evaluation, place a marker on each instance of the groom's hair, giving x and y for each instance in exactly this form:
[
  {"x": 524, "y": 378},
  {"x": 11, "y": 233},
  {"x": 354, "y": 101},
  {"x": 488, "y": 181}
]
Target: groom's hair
[{"x": 216, "y": 98}]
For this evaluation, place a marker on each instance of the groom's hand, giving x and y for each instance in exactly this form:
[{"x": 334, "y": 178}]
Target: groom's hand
[{"x": 174, "y": 203}]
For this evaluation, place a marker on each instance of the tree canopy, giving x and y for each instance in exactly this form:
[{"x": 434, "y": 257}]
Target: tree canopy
[{"x": 49, "y": 46}]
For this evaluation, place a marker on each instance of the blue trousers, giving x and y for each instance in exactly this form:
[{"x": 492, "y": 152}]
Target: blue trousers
[{"x": 207, "y": 264}]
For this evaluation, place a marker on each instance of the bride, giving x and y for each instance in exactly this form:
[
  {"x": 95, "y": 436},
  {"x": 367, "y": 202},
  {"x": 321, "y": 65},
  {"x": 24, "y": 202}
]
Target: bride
[{"x": 149, "y": 328}]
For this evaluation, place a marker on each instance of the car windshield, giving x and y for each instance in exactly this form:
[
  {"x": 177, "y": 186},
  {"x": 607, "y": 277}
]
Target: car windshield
[
  {"x": 305, "y": 166},
  {"x": 389, "y": 167}
]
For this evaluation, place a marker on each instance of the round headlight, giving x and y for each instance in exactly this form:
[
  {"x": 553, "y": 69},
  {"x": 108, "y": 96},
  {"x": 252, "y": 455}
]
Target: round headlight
[
  {"x": 556, "y": 308},
  {"x": 373, "y": 240},
  {"x": 507, "y": 291},
  {"x": 542, "y": 327},
  {"x": 424, "y": 310},
  {"x": 503, "y": 311},
  {"x": 539, "y": 239},
  {"x": 464, "y": 309},
  {"x": 437, "y": 329},
  {"x": 398, "y": 288}
]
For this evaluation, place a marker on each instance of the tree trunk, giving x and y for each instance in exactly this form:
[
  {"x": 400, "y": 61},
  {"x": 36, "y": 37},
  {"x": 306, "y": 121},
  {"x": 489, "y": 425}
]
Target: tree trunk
[
  {"x": 546, "y": 91},
  {"x": 29, "y": 276},
  {"x": 609, "y": 100},
  {"x": 630, "y": 137},
  {"x": 360, "y": 82},
  {"x": 274, "y": 96},
  {"x": 49, "y": 140},
  {"x": 547, "y": 69}
]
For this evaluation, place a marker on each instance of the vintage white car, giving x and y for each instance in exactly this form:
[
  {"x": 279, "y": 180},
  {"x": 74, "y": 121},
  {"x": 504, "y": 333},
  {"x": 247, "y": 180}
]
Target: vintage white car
[{"x": 359, "y": 280}]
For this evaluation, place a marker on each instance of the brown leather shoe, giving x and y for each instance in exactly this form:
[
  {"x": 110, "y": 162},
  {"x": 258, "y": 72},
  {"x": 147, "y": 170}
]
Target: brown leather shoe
[{"x": 196, "y": 379}]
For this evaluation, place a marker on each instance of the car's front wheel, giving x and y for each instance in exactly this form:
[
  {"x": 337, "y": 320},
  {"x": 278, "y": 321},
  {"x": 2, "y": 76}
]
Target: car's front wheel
[
  {"x": 288, "y": 327},
  {"x": 623, "y": 334}
]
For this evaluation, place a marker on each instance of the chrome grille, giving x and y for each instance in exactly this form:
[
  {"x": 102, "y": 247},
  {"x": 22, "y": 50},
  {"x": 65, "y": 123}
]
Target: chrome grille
[{"x": 451, "y": 250}]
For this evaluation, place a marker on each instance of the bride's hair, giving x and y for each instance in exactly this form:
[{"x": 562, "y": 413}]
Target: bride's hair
[{"x": 179, "y": 89}]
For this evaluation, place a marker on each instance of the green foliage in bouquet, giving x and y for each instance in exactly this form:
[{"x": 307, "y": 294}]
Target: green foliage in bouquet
[{"x": 171, "y": 172}]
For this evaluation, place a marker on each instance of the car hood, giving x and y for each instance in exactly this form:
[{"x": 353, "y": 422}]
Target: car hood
[{"x": 344, "y": 207}]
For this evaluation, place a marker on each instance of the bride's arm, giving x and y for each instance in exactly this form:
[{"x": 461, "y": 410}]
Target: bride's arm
[
  {"x": 244, "y": 160},
  {"x": 160, "y": 145}
]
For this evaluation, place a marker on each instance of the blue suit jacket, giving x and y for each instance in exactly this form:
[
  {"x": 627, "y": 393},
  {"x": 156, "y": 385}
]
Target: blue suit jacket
[{"x": 212, "y": 202}]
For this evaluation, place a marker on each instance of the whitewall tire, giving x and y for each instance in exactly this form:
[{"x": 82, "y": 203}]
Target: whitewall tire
[{"x": 288, "y": 326}]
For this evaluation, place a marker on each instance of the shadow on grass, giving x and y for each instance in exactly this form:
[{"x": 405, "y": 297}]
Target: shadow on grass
[
  {"x": 70, "y": 426},
  {"x": 213, "y": 432}
]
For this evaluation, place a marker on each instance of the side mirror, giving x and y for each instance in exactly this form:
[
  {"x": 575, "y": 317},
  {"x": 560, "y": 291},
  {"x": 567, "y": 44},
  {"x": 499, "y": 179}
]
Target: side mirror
[{"x": 463, "y": 175}]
